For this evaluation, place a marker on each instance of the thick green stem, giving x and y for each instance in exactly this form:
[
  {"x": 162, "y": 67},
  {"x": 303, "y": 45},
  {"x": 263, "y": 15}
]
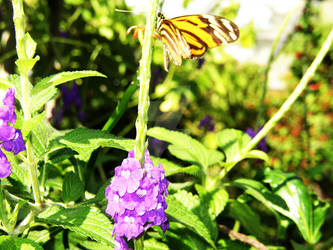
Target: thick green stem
[
  {"x": 143, "y": 105},
  {"x": 23, "y": 59},
  {"x": 144, "y": 79},
  {"x": 292, "y": 98}
]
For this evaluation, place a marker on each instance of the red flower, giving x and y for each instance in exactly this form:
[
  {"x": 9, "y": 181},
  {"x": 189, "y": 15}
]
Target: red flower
[{"x": 314, "y": 86}]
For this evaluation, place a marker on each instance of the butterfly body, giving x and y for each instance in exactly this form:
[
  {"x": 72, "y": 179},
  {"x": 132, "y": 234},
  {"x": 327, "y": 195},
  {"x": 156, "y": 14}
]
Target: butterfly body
[{"x": 191, "y": 35}]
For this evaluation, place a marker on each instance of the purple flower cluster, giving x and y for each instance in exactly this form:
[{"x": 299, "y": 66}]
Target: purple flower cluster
[
  {"x": 136, "y": 198},
  {"x": 10, "y": 138},
  {"x": 262, "y": 144}
]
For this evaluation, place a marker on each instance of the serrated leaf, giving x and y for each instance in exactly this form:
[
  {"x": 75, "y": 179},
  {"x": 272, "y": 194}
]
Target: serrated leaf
[
  {"x": 56, "y": 79},
  {"x": 232, "y": 141},
  {"x": 84, "y": 141},
  {"x": 300, "y": 210},
  {"x": 88, "y": 221},
  {"x": 247, "y": 217},
  {"x": 180, "y": 210},
  {"x": 172, "y": 168},
  {"x": 72, "y": 187},
  {"x": 186, "y": 148}
]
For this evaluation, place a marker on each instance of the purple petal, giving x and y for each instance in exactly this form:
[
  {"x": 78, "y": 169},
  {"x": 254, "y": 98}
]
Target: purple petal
[
  {"x": 9, "y": 99},
  {"x": 15, "y": 145},
  {"x": 5, "y": 167}
]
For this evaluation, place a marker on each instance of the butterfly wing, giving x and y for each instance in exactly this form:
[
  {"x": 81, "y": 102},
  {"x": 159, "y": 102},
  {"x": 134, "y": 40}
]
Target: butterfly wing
[
  {"x": 205, "y": 31},
  {"x": 174, "y": 43},
  {"x": 190, "y": 36}
]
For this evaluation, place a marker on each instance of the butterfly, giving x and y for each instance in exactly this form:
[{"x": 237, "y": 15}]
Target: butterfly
[{"x": 190, "y": 36}]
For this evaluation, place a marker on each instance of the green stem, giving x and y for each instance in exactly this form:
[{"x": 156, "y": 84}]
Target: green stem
[
  {"x": 292, "y": 98},
  {"x": 144, "y": 79},
  {"x": 18, "y": 18},
  {"x": 21, "y": 48},
  {"x": 143, "y": 104}
]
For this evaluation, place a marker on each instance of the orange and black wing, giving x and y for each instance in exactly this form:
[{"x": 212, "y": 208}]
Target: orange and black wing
[{"x": 190, "y": 36}]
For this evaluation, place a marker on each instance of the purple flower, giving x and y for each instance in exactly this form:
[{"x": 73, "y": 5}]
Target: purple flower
[
  {"x": 70, "y": 97},
  {"x": 207, "y": 120},
  {"x": 200, "y": 62},
  {"x": 136, "y": 198},
  {"x": 5, "y": 167},
  {"x": 120, "y": 244},
  {"x": 157, "y": 146},
  {"x": 262, "y": 144},
  {"x": 10, "y": 138}
]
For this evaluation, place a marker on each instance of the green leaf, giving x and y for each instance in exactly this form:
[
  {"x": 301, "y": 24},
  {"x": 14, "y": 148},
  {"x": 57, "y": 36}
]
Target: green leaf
[
  {"x": 300, "y": 210},
  {"x": 42, "y": 97},
  {"x": 32, "y": 123},
  {"x": 99, "y": 196},
  {"x": 186, "y": 148},
  {"x": 60, "y": 155},
  {"x": 5, "y": 83},
  {"x": 72, "y": 187},
  {"x": 30, "y": 46},
  {"x": 179, "y": 207},
  {"x": 257, "y": 154},
  {"x": 261, "y": 193},
  {"x": 232, "y": 141},
  {"x": 319, "y": 218},
  {"x": 121, "y": 107},
  {"x": 88, "y": 221},
  {"x": 56, "y": 79},
  {"x": 84, "y": 141},
  {"x": 153, "y": 244},
  {"x": 15, "y": 243},
  {"x": 272, "y": 201},
  {"x": 39, "y": 236},
  {"x": 40, "y": 138},
  {"x": 216, "y": 199},
  {"x": 13, "y": 81},
  {"x": 7, "y": 242},
  {"x": 172, "y": 168},
  {"x": 45, "y": 90},
  {"x": 25, "y": 65},
  {"x": 247, "y": 217}
]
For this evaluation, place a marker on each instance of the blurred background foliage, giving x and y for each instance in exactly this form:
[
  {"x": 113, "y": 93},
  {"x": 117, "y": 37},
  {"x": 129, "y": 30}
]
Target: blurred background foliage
[{"x": 201, "y": 97}]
